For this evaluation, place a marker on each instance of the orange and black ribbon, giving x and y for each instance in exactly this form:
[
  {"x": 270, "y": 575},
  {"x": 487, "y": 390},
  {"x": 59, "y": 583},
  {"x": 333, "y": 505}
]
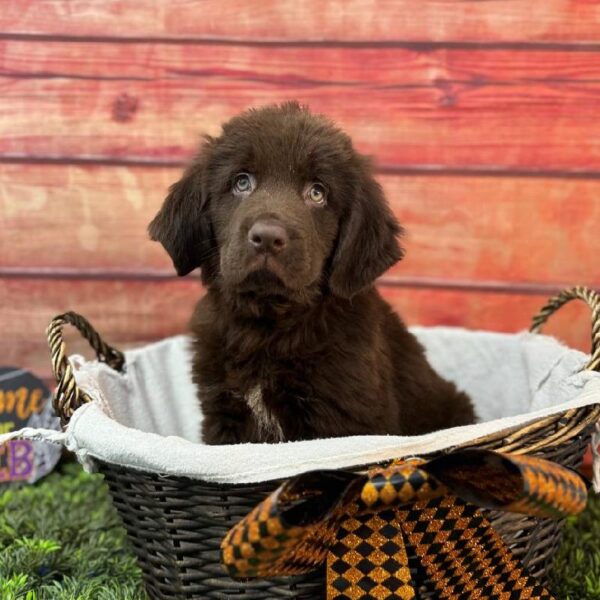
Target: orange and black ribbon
[{"x": 363, "y": 526}]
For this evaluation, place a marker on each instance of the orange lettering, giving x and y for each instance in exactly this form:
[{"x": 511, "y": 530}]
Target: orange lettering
[
  {"x": 8, "y": 401},
  {"x": 3, "y": 470},
  {"x": 36, "y": 398},
  {"x": 20, "y": 402},
  {"x": 22, "y": 410}
]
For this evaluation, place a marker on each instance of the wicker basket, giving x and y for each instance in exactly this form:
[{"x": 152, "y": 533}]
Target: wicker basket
[{"x": 176, "y": 524}]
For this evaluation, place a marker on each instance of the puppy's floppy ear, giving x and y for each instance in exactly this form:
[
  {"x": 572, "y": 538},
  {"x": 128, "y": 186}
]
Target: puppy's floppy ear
[
  {"x": 182, "y": 225},
  {"x": 367, "y": 241}
]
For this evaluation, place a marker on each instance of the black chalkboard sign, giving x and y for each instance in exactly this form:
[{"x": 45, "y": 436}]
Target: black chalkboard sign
[{"x": 25, "y": 402}]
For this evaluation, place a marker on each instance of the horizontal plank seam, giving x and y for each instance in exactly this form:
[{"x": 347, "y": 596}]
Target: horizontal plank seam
[
  {"x": 425, "y": 45},
  {"x": 487, "y": 171},
  {"x": 380, "y": 168},
  {"x": 158, "y": 275},
  {"x": 435, "y": 84},
  {"x": 8, "y": 74},
  {"x": 104, "y": 161}
]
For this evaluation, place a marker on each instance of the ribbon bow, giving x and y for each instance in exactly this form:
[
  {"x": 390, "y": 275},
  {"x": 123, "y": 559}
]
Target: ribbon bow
[{"x": 361, "y": 524}]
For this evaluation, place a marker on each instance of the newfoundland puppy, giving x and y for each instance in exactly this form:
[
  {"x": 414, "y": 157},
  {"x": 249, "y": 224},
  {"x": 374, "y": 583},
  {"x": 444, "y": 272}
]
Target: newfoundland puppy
[{"x": 291, "y": 340}]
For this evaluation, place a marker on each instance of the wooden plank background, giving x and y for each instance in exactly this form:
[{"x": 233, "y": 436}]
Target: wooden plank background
[{"x": 482, "y": 117}]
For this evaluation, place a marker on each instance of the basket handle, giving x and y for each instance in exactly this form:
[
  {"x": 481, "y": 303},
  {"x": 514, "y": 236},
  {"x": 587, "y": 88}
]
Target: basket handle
[
  {"x": 68, "y": 397},
  {"x": 593, "y": 301}
]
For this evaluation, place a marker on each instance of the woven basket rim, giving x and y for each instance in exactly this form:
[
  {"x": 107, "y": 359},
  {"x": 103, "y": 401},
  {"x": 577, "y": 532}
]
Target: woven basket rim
[
  {"x": 504, "y": 441},
  {"x": 68, "y": 396},
  {"x": 254, "y": 468}
]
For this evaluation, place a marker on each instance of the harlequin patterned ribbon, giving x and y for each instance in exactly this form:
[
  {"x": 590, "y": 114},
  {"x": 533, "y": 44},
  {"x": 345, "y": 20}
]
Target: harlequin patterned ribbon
[{"x": 360, "y": 526}]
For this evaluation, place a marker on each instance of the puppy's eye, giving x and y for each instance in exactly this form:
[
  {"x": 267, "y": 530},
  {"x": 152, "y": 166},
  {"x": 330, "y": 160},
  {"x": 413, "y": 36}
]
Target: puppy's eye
[
  {"x": 317, "y": 193},
  {"x": 243, "y": 184}
]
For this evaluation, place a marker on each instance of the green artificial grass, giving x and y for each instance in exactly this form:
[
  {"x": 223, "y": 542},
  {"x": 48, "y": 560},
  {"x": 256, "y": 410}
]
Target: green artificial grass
[
  {"x": 576, "y": 571},
  {"x": 61, "y": 540}
]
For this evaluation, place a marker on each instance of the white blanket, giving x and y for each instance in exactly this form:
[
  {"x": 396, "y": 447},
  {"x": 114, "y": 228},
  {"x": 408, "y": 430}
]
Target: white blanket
[{"x": 149, "y": 417}]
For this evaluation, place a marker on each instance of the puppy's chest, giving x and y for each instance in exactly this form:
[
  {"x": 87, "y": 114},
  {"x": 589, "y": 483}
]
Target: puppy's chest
[
  {"x": 273, "y": 393},
  {"x": 271, "y": 383},
  {"x": 267, "y": 421}
]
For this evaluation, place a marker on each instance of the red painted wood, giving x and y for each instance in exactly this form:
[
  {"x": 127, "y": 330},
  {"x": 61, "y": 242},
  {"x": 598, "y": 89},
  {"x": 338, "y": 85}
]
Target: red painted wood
[
  {"x": 409, "y": 108},
  {"x": 488, "y": 311},
  {"x": 403, "y": 79},
  {"x": 125, "y": 313},
  {"x": 133, "y": 313},
  {"x": 90, "y": 217},
  {"x": 507, "y": 229},
  {"x": 350, "y": 20},
  {"x": 511, "y": 230},
  {"x": 295, "y": 65}
]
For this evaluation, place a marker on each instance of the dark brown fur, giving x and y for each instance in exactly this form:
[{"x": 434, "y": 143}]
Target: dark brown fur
[{"x": 302, "y": 324}]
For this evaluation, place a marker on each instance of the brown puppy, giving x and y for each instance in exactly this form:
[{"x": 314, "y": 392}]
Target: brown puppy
[{"x": 291, "y": 340}]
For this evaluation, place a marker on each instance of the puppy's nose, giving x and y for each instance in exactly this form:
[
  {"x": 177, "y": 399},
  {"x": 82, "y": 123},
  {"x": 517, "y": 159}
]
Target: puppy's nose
[{"x": 268, "y": 236}]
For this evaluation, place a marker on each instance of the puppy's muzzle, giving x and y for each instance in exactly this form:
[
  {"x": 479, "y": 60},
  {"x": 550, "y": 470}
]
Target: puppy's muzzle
[{"x": 268, "y": 236}]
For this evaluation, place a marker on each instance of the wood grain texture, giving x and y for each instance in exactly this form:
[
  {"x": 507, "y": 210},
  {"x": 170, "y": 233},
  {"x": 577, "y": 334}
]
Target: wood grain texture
[
  {"x": 408, "y": 107},
  {"x": 441, "y": 84},
  {"x": 494, "y": 312},
  {"x": 81, "y": 217},
  {"x": 510, "y": 229},
  {"x": 129, "y": 314},
  {"x": 125, "y": 313},
  {"x": 276, "y": 20},
  {"x": 514, "y": 230}
]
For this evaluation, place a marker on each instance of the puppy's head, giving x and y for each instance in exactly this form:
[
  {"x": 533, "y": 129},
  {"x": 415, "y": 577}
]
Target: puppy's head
[{"x": 279, "y": 204}]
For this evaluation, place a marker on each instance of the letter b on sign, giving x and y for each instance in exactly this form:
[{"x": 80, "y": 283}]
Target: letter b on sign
[
  {"x": 24, "y": 404},
  {"x": 17, "y": 458}
]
